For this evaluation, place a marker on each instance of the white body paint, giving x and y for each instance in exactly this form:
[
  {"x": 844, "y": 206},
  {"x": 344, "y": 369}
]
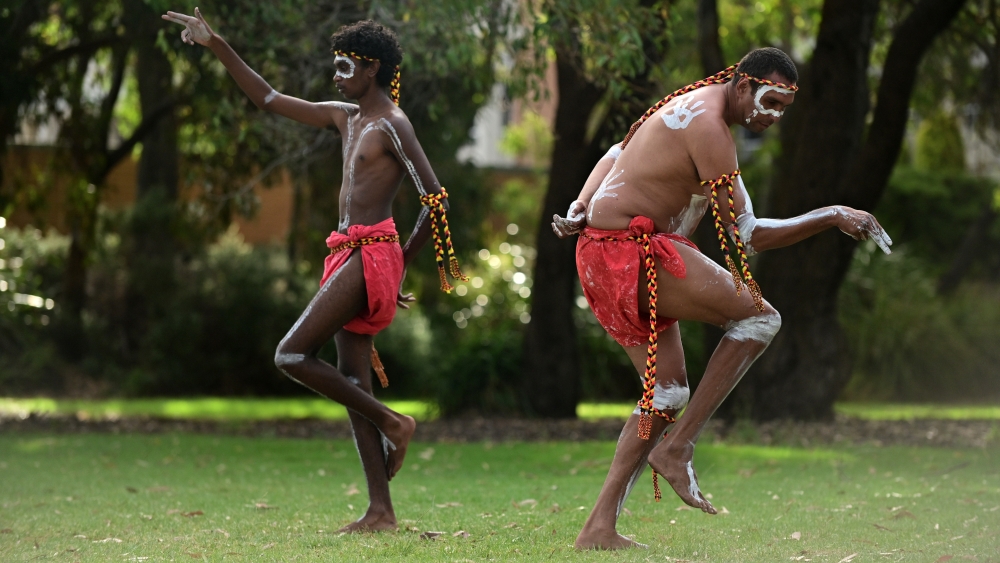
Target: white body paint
[
  {"x": 383, "y": 125},
  {"x": 605, "y": 190},
  {"x": 685, "y": 222},
  {"x": 680, "y": 116},
  {"x": 270, "y": 96},
  {"x": 346, "y": 221},
  {"x": 672, "y": 397},
  {"x": 614, "y": 152},
  {"x": 693, "y": 484},
  {"x": 761, "y": 328},
  {"x": 350, "y": 63}
]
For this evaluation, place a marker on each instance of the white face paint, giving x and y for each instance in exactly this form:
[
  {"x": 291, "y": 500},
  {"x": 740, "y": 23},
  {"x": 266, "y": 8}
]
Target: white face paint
[
  {"x": 605, "y": 190},
  {"x": 761, "y": 328},
  {"x": 760, "y": 93},
  {"x": 680, "y": 116},
  {"x": 350, "y": 64},
  {"x": 685, "y": 223}
]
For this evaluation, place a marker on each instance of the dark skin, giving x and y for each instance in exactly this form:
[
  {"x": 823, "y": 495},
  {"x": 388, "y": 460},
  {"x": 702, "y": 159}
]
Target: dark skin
[
  {"x": 658, "y": 175},
  {"x": 380, "y": 148}
]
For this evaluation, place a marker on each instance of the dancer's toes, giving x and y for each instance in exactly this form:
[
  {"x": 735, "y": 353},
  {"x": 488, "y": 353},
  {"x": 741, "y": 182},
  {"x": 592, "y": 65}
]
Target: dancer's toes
[
  {"x": 681, "y": 476},
  {"x": 398, "y": 440},
  {"x": 611, "y": 540},
  {"x": 371, "y": 522}
]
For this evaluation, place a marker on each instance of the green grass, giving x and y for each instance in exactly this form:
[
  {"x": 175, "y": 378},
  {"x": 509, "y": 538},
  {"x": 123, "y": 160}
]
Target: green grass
[
  {"x": 236, "y": 409},
  {"x": 177, "y": 497}
]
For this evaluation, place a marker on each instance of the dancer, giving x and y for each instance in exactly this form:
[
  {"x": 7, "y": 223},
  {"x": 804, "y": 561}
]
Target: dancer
[
  {"x": 634, "y": 214},
  {"x": 360, "y": 288}
]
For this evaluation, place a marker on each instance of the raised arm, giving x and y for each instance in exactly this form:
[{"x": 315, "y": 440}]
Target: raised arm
[
  {"x": 764, "y": 234},
  {"x": 323, "y": 115},
  {"x": 576, "y": 216}
]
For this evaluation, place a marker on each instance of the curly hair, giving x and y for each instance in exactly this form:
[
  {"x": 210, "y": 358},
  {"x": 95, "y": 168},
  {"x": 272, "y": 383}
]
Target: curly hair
[
  {"x": 371, "y": 39},
  {"x": 759, "y": 63}
]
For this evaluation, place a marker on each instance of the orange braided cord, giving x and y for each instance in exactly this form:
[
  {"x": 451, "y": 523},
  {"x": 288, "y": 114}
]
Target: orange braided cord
[
  {"x": 729, "y": 180},
  {"x": 646, "y": 408},
  {"x": 656, "y": 487},
  {"x": 363, "y": 242},
  {"x": 442, "y": 245},
  {"x": 393, "y": 86},
  {"x": 721, "y": 77}
]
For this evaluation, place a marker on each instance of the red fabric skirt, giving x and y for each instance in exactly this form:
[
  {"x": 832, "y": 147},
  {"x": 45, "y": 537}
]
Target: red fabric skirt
[
  {"x": 611, "y": 272},
  {"x": 383, "y": 266}
]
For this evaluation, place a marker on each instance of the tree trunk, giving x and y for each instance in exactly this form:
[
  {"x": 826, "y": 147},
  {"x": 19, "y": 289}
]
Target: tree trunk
[
  {"x": 551, "y": 360},
  {"x": 807, "y": 364},
  {"x": 153, "y": 249}
]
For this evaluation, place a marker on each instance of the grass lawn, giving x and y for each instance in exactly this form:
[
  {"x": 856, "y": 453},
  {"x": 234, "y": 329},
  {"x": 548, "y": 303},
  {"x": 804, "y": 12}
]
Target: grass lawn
[
  {"x": 235, "y": 409},
  {"x": 193, "y": 497}
]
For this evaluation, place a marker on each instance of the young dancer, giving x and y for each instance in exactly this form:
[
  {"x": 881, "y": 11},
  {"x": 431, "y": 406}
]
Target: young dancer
[
  {"x": 640, "y": 273},
  {"x": 359, "y": 290}
]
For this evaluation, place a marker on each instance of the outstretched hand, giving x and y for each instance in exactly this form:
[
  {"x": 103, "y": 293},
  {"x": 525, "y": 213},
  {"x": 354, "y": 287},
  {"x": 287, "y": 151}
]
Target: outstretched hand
[
  {"x": 403, "y": 298},
  {"x": 196, "y": 29},
  {"x": 861, "y": 225},
  {"x": 573, "y": 223}
]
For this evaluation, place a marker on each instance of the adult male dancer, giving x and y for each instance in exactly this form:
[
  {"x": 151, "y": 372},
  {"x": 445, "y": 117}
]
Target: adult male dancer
[
  {"x": 362, "y": 275},
  {"x": 633, "y": 215}
]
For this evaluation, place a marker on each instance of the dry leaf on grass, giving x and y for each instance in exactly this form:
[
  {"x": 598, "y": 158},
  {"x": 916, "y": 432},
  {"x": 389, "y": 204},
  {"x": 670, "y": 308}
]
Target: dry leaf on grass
[
  {"x": 268, "y": 546},
  {"x": 796, "y": 535},
  {"x": 880, "y": 527},
  {"x": 460, "y": 534},
  {"x": 427, "y": 454},
  {"x": 904, "y": 514},
  {"x": 511, "y": 525},
  {"x": 448, "y": 505},
  {"x": 724, "y": 510},
  {"x": 944, "y": 558},
  {"x": 352, "y": 489},
  {"x": 430, "y": 535},
  {"x": 530, "y": 502},
  {"x": 173, "y": 511},
  {"x": 106, "y": 540},
  {"x": 848, "y": 558},
  {"x": 192, "y": 514},
  {"x": 223, "y": 532},
  {"x": 263, "y": 506}
]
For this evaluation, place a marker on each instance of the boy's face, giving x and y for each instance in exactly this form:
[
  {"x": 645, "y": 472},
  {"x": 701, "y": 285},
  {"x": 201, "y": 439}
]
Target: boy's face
[{"x": 350, "y": 77}]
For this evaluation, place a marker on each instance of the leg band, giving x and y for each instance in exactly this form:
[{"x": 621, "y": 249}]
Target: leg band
[{"x": 761, "y": 328}]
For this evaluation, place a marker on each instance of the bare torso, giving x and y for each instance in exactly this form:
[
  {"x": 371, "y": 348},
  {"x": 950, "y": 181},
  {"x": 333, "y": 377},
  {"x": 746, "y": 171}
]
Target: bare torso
[
  {"x": 372, "y": 174},
  {"x": 656, "y": 175}
]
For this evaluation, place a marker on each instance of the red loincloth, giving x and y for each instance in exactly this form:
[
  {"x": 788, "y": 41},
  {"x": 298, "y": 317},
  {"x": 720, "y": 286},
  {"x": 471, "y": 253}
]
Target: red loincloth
[
  {"x": 383, "y": 266},
  {"x": 611, "y": 272}
]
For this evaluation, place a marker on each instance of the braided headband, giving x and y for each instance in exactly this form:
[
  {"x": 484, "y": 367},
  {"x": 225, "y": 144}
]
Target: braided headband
[
  {"x": 721, "y": 77},
  {"x": 393, "y": 86}
]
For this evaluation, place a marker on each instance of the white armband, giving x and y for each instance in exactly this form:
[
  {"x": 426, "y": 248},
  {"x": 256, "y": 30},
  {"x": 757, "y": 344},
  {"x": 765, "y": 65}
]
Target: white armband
[
  {"x": 614, "y": 152},
  {"x": 270, "y": 96}
]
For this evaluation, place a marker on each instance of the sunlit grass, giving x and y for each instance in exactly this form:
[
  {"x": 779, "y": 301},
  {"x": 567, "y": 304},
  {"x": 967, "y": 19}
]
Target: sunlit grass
[
  {"x": 236, "y": 409},
  {"x": 179, "y": 497}
]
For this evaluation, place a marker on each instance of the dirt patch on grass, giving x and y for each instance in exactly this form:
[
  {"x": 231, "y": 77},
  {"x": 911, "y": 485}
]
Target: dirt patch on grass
[{"x": 847, "y": 431}]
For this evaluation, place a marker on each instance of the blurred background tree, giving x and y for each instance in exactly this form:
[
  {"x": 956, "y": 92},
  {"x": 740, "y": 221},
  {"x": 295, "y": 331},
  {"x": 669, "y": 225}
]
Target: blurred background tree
[{"x": 897, "y": 114}]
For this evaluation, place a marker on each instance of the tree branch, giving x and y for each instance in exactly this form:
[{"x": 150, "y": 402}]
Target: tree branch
[
  {"x": 86, "y": 47},
  {"x": 148, "y": 122},
  {"x": 864, "y": 185}
]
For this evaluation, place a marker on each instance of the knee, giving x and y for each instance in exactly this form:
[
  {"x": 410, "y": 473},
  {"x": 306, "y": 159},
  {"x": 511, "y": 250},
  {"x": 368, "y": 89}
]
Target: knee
[
  {"x": 761, "y": 328},
  {"x": 671, "y": 397}
]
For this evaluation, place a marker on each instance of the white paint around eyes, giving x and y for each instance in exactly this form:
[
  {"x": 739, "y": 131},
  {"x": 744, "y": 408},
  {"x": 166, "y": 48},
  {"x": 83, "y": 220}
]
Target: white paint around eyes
[
  {"x": 685, "y": 223},
  {"x": 680, "y": 116},
  {"x": 761, "y": 328},
  {"x": 605, "y": 190},
  {"x": 672, "y": 397},
  {"x": 760, "y": 93},
  {"x": 350, "y": 63},
  {"x": 383, "y": 125},
  {"x": 614, "y": 152},
  {"x": 270, "y": 96}
]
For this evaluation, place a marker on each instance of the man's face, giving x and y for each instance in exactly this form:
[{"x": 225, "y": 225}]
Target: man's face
[{"x": 765, "y": 107}]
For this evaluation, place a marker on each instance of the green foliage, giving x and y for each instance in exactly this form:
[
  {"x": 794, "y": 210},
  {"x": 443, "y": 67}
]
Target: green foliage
[
  {"x": 939, "y": 145},
  {"x": 910, "y": 344},
  {"x": 531, "y": 139}
]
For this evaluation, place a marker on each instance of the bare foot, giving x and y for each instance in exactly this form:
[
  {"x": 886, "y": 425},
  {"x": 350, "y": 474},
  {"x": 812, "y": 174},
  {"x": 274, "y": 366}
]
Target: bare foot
[
  {"x": 371, "y": 522},
  {"x": 674, "y": 464},
  {"x": 397, "y": 440},
  {"x": 612, "y": 540}
]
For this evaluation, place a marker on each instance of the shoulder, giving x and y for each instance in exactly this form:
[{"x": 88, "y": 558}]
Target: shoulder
[{"x": 398, "y": 122}]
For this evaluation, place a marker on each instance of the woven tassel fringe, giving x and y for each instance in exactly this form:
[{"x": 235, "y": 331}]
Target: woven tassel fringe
[
  {"x": 645, "y": 425},
  {"x": 379, "y": 368},
  {"x": 656, "y": 487}
]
